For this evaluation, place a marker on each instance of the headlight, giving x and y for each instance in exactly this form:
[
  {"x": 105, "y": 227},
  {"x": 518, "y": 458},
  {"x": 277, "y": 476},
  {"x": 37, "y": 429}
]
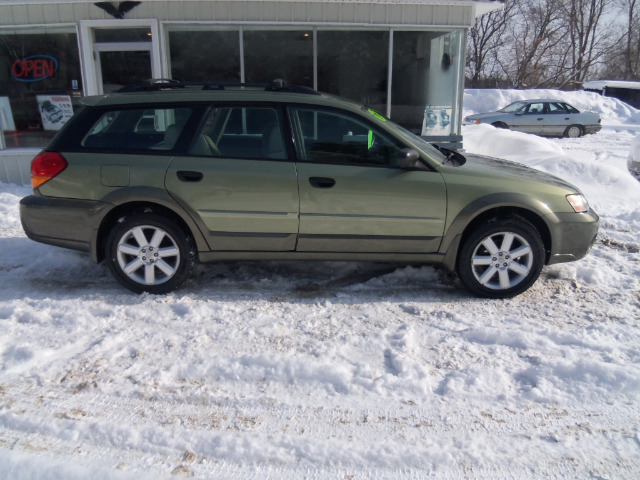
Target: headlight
[
  {"x": 471, "y": 121},
  {"x": 578, "y": 202}
]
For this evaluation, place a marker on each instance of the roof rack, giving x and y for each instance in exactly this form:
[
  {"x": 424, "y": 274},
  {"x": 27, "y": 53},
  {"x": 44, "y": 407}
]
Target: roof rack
[{"x": 163, "y": 84}]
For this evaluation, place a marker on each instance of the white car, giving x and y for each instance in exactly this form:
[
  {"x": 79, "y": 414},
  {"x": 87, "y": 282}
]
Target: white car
[{"x": 547, "y": 117}]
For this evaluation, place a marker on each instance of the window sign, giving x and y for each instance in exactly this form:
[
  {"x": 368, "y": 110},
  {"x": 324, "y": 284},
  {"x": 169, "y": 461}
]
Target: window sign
[
  {"x": 55, "y": 110},
  {"x": 436, "y": 120},
  {"x": 34, "y": 68}
]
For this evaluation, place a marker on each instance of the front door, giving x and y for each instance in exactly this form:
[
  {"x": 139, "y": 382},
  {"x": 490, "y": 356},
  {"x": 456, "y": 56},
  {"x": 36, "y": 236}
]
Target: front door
[
  {"x": 353, "y": 195},
  {"x": 531, "y": 120}
]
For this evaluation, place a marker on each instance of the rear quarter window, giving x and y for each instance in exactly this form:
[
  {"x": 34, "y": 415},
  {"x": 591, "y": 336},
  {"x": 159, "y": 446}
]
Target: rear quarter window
[{"x": 136, "y": 129}]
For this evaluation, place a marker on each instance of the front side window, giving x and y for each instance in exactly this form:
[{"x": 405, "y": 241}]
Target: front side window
[
  {"x": 535, "y": 108},
  {"x": 137, "y": 129},
  {"x": 514, "y": 107},
  {"x": 327, "y": 136},
  {"x": 241, "y": 132}
]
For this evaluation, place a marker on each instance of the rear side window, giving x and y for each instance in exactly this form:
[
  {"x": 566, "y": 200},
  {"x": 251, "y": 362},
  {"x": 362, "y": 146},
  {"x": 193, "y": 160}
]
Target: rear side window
[
  {"x": 154, "y": 129},
  {"x": 571, "y": 109},
  {"x": 250, "y": 132},
  {"x": 557, "y": 108}
]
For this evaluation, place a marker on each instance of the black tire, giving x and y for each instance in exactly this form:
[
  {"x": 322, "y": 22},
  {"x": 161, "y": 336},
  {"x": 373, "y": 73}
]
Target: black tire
[
  {"x": 149, "y": 253},
  {"x": 574, "y": 131},
  {"x": 500, "y": 125},
  {"x": 502, "y": 258}
]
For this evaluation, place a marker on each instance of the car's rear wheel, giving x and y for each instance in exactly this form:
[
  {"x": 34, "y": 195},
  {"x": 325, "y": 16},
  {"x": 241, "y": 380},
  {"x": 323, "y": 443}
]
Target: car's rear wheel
[
  {"x": 149, "y": 253},
  {"x": 502, "y": 258},
  {"x": 573, "y": 131}
]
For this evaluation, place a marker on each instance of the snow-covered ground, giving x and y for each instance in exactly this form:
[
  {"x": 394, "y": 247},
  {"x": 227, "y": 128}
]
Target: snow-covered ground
[{"x": 287, "y": 370}]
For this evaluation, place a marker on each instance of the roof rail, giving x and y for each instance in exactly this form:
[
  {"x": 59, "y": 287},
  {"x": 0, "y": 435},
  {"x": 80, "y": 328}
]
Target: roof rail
[{"x": 162, "y": 84}]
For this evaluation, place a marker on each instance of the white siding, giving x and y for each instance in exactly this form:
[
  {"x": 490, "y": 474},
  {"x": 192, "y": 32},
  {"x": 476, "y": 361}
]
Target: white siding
[{"x": 241, "y": 11}]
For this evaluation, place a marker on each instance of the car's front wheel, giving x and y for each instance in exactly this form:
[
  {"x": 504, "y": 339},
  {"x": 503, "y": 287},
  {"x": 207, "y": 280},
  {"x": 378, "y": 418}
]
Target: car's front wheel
[
  {"x": 149, "y": 253},
  {"x": 502, "y": 258}
]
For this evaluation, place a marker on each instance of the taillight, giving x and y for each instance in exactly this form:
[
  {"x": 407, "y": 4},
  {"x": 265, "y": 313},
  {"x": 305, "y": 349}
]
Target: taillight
[{"x": 46, "y": 166}]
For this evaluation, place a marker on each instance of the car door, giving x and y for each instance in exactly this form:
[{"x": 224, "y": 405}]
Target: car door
[
  {"x": 557, "y": 119},
  {"x": 353, "y": 195},
  {"x": 237, "y": 180},
  {"x": 531, "y": 118}
]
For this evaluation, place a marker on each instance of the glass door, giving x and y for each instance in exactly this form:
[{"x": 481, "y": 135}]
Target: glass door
[
  {"x": 122, "y": 67},
  {"x": 119, "y": 53}
]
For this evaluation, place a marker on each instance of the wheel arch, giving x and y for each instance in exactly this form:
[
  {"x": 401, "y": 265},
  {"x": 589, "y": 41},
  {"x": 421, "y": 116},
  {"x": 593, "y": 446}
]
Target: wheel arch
[
  {"x": 466, "y": 221},
  {"x": 146, "y": 200}
]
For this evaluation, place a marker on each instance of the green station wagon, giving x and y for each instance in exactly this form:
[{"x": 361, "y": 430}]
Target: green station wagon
[{"x": 157, "y": 178}]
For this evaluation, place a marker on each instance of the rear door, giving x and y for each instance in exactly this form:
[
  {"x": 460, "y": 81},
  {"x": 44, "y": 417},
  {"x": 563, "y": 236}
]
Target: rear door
[
  {"x": 237, "y": 180},
  {"x": 353, "y": 195},
  {"x": 557, "y": 119}
]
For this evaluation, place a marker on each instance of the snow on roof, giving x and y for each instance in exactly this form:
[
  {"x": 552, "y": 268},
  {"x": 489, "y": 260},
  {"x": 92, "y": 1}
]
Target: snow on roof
[{"x": 601, "y": 84}]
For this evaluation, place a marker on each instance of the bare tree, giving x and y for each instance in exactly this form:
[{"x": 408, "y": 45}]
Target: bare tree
[
  {"x": 535, "y": 49},
  {"x": 486, "y": 38},
  {"x": 631, "y": 53},
  {"x": 589, "y": 39}
]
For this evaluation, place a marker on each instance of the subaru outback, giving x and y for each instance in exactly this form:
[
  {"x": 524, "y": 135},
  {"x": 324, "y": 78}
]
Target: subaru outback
[{"x": 156, "y": 178}]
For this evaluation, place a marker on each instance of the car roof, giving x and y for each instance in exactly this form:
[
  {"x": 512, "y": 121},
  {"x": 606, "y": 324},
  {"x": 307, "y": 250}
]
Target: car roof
[
  {"x": 536, "y": 100},
  {"x": 233, "y": 93}
]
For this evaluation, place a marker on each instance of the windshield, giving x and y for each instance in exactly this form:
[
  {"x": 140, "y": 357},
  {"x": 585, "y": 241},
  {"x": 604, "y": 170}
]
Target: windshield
[
  {"x": 514, "y": 107},
  {"x": 412, "y": 138}
]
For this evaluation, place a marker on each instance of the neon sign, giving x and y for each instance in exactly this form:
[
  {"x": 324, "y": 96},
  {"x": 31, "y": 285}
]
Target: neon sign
[{"x": 34, "y": 68}]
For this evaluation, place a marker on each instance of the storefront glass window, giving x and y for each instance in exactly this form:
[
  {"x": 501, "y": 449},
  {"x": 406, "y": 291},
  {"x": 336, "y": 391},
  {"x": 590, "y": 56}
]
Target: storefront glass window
[
  {"x": 425, "y": 74},
  {"x": 40, "y": 80},
  {"x": 205, "y": 55},
  {"x": 271, "y": 54},
  {"x": 355, "y": 65}
]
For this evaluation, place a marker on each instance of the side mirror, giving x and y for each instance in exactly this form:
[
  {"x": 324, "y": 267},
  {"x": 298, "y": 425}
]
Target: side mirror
[{"x": 409, "y": 158}]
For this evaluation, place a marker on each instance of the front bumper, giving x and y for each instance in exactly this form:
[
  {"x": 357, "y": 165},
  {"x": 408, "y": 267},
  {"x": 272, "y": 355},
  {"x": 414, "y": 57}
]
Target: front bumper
[
  {"x": 572, "y": 235},
  {"x": 63, "y": 222}
]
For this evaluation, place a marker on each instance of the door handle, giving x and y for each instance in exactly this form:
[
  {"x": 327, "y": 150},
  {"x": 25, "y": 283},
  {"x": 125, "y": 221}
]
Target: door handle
[
  {"x": 321, "y": 182},
  {"x": 540, "y": 119},
  {"x": 188, "y": 176}
]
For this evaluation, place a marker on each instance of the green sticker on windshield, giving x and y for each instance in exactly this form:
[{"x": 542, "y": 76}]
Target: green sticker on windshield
[{"x": 376, "y": 114}]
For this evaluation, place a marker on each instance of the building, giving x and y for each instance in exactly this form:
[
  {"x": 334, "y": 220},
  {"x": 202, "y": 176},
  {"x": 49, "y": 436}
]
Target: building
[
  {"x": 628, "y": 92},
  {"x": 405, "y": 58}
]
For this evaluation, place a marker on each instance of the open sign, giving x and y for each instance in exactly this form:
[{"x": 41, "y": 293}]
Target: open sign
[{"x": 34, "y": 68}]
